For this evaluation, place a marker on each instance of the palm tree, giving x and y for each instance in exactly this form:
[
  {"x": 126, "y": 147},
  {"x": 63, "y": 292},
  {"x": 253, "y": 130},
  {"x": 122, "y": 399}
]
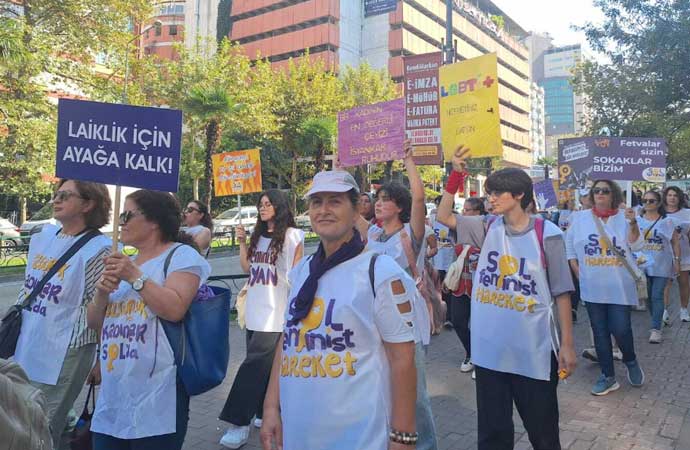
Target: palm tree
[{"x": 210, "y": 104}]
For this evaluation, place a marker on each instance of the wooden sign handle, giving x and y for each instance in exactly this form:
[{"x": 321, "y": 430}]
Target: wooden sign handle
[{"x": 116, "y": 218}]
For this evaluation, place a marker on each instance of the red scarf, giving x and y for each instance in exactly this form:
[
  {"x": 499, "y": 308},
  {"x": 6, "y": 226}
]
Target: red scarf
[{"x": 604, "y": 213}]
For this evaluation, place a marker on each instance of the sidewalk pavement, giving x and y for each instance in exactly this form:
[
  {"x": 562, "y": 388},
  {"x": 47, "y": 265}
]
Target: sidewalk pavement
[{"x": 650, "y": 417}]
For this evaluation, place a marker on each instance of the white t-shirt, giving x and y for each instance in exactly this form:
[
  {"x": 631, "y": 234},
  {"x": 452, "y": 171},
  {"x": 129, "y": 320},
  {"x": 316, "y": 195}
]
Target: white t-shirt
[
  {"x": 681, "y": 219},
  {"x": 657, "y": 246},
  {"x": 267, "y": 295},
  {"x": 603, "y": 279},
  {"x": 335, "y": 384},
  {"x": 564, "y": 218},
  {"x": 446, "y": 245},
  {"x": 193, "y": 231}
]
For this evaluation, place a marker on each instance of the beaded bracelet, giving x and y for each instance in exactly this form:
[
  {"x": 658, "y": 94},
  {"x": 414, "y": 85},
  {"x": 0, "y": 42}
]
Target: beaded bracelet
[{"x": 401, "y": 437}]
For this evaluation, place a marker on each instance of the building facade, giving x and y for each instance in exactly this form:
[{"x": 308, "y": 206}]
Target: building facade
[
  {"x": 537, "y": 119},
  {"x": 336, "y": 32}
]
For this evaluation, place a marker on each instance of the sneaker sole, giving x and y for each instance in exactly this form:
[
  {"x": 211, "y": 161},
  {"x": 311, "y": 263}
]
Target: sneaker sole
[
  {"x": 466, "y": 370},
  {"x": 590, "y": 357},
  {"x": 630, "y": 381},
  {"x": 614, "y": 387},
  {"x": 234, "y": 446}
]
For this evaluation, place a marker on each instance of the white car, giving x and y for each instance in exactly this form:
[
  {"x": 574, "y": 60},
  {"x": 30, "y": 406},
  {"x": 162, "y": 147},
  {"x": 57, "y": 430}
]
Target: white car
[
  {"x": 230, "y": 218},
  {"x": 9, "y": 234}
]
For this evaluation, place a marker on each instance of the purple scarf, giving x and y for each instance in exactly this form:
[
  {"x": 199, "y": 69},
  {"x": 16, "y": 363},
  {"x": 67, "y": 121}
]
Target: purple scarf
[{"x": 319, "y": 265}]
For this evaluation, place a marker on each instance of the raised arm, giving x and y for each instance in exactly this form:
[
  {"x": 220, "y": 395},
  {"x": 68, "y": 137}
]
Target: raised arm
[
  {"x": 455, "y": 180},
  {"x": 417, "y": 215}
]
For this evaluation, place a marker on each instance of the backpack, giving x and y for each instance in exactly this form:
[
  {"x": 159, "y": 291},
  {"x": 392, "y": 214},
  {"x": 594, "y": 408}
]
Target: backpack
[{"x": 24, "y": 423}]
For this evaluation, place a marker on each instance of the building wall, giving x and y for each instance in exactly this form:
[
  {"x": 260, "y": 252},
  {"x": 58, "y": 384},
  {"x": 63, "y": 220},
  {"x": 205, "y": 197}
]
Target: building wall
[{"x": 537, "y": 121}]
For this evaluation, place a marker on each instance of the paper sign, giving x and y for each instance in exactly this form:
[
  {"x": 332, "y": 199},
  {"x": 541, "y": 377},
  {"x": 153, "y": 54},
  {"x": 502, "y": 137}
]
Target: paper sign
[
  {"x": 375, "y": 7},
  {"x": 581, "y": 160},
  {"x": 469, "y": 107},
  {"x": 237, "y": 172},
  {"x": 119, "y": 144},
  {"x": 372, "y": 133},
  {"x": 422, "y": 120},
  {"x": 545, "y": 195}
]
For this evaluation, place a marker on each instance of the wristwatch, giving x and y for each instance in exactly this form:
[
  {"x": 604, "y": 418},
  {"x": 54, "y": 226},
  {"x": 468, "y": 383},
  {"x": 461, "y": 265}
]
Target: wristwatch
[{"x": 138, "y": 284}]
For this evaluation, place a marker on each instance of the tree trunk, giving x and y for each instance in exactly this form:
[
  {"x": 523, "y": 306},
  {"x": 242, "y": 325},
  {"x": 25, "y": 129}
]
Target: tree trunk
[
  {"x": 293, "y": 184},
  {"x": 388, "y": 172},
  {"x": 212, "y": 137}
]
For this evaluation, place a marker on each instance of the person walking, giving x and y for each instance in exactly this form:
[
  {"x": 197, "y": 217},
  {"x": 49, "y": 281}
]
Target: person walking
[
  {"x": 661, "y": 252},
  {"x": 56, "y": 347},
  {"x": 676, "y": 206},
  {"x": 516, "y": 350},
  {"x": 343, "y": 376},
  {"x": 142, "y": 403},
  {"x": 597, "y": 242},
  {"x": 444, "y": 256},
  {"x": 275, "y": 247},
  {"x": 199, "y": 225}
]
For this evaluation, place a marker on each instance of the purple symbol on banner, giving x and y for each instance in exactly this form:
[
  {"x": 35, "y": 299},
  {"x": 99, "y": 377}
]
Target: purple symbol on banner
[
  {"x": 545, "y": 194},
  {"x": 372, "y": 133}
]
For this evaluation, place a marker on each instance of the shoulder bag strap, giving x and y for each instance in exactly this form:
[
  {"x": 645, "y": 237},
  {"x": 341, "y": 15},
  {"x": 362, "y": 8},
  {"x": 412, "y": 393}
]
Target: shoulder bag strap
[
  {"x": 609, "y": 244},
  {"x": 539, "y": 224},
  {"x": 58, "y": 265},
  {"x": 168, "y": 259},
  {"x": 372, "y": 267},
  {"x": 646, "y": 234},
  {"x": 406, "y": 242}
]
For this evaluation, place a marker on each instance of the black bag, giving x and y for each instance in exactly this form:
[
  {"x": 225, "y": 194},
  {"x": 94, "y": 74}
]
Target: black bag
[
  {"x": 11, "y": 323},
  {"x": 81, "y": 435}
]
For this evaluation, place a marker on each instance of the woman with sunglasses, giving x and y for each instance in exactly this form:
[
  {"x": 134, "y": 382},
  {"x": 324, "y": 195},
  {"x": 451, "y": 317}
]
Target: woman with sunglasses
[
  {"x": 661, "y": 244},
  {"x": 343, "y": 377},
  {"x": 199, "y": 225},
  {"x": 676, "y": 207},
  {"x": 142, "y": 403},
  {"x": 401, "y": 235},
  {"x": 56, "y": 347},
  {"x": 275, "y": 247},
  {"x": 607, "y": 286}
]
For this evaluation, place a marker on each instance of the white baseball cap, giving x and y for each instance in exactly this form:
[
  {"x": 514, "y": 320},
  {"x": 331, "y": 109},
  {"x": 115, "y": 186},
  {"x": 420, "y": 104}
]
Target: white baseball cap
[{"x": 332, "y": 181}]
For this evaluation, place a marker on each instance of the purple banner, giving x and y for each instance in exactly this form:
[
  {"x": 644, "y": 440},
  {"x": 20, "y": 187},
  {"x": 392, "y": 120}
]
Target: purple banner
[
  {"x": 372, "y": 133},
  {"x": 545, "y": 195},
  {"x": 581, "y": 160}
]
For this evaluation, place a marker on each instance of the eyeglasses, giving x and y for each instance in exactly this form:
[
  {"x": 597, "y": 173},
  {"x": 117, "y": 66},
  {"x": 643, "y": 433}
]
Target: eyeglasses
[
  {"x": 648, "y": 201},
  {"x": 265, "y": 206},
  {"x": 189, "y": 209},
  {"x": 126, "y": 216},
  {"x": 601, "y": 191},
  {"x": 65, "y": 195}
]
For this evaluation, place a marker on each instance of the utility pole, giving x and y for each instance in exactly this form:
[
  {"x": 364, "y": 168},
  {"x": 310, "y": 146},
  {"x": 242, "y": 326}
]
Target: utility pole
[{"x": 448, "y": 49}]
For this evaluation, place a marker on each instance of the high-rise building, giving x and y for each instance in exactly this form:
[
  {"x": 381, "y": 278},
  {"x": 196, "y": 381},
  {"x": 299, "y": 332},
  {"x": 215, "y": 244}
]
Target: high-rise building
[
  {"x": 336, "y": 31},
  {"x": 537, "y": 119}
]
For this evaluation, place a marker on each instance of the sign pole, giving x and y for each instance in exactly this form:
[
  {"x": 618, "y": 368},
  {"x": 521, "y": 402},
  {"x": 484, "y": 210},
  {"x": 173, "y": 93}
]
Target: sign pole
[
  {"x": 239, "y": 206},
  {"x": 116, "y": 217}
]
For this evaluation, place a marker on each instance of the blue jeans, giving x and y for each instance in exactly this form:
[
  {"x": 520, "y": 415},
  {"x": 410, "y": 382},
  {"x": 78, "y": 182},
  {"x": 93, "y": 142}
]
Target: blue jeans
[
  {"x": 606, "y": 320},
  {"x": 655, "y": 302},
  {"x": 172, "y": 441},
  {"x": 426, "y": 428}
]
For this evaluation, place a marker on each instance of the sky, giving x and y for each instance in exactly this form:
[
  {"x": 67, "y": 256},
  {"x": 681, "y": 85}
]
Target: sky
[{"x": 552, "y": 16}]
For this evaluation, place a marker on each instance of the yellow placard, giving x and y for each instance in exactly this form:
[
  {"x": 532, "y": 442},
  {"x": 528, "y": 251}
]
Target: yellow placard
[
  {"x": 237, "y": 172},
  {"x": 469, "y": 107}
]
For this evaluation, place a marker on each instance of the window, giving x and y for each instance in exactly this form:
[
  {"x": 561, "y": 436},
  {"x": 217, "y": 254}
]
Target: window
[
  {"x": 158, "y": 29},
  {"x": 172, "y": 30}
]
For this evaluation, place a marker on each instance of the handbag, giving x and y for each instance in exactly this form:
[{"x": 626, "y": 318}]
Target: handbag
[
  {"x": 638, "y": 276},
  {"x": 200, "y": 341},
  {"x": 81, "y": 435},
  {"x": 454, "y": 273},
  {"x": 11, "y": 323}
]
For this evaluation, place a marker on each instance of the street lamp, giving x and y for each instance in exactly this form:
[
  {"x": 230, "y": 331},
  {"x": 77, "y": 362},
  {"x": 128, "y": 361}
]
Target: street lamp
[{"x": 157, "y": 23}]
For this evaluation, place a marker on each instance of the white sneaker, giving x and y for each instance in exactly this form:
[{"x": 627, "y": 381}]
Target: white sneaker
[
  {"x": 666, "y": 318},
  {"x": 655, "y": 337},
  {"x": 474, "y": 375},
  {"x": 235, "y": 437},
  {"x": 258, "y": 422},
  {"x": 466, "y": 366},
  {"x": 617, "y": 354},
  {"x": 684, "y": 316}
]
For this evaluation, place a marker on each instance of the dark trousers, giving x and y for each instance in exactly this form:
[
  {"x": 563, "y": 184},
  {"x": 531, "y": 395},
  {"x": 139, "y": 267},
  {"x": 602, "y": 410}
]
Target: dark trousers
[
  {"x": 575, "y": 296},
  {"x": 172, "y": 441},
  {"x": 246, "y": 397},
  {"x": 606, "y": 320},
  {"x": 535, "y": 400},
  {"x": 461, "y": 320}
]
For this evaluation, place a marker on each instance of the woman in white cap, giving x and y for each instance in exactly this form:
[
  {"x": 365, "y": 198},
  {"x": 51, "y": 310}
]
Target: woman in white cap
[{"x": 343, "y": 375}]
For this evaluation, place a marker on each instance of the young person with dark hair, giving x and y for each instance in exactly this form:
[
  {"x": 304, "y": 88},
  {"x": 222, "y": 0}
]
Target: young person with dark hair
[
  {"x": 199, "y": 225},
  {"x": 661, "y": 252},
  {"x": 56, "y": 347},
  {"x": 515, "y": 347},
  {"x": 676, "y": 206},
  {"x": 343, "y": 376},
  {"x": 142, "y": 403},
  {"x": 275, "y": 247},
  {"x": 444, "y": 256},
  {"x": 596, "y": 242}
]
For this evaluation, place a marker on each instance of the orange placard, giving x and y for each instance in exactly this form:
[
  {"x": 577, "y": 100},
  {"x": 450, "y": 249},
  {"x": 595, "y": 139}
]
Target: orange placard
[{"x": 237, "y": 172}]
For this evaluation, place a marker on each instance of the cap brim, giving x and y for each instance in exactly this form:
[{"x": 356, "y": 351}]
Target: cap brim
[{"x": 327, "y": 188}]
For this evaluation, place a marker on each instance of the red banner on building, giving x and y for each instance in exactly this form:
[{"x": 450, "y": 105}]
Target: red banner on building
[{"x": 422, "y": 120}]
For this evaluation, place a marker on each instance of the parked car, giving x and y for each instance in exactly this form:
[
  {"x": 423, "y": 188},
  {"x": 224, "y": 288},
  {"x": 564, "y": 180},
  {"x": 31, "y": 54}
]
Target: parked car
[
  {"x": 230, "y": 218},
  {"x": 302, "y": 221},
  {"x": 9, "y": 234}
]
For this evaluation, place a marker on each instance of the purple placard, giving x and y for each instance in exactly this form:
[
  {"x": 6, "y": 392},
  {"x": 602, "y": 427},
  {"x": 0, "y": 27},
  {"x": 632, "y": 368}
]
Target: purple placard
[
  {"x": 545, "y": 194},
  {"x": 611, "y": 158},
  {"x": 372, "y": 133}
]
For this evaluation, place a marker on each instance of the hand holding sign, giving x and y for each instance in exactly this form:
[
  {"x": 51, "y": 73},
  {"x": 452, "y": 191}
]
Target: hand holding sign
[{"x": 460, "y": 157}]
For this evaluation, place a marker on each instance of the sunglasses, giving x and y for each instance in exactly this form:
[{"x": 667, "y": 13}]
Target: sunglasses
[
  {"x": 648, "y": 201},
  {"x": 601, "y": 191},
  {"x": 126, "y": 216},
  {"x": 189, "y": 209},
  {"x": 65, "y": 195}
]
